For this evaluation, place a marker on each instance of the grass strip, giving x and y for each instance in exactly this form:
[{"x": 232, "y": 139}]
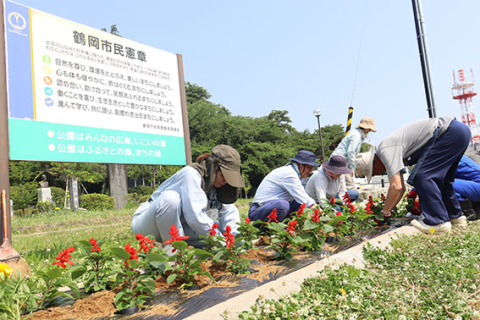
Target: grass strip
[{"x": 419, "y": 277}]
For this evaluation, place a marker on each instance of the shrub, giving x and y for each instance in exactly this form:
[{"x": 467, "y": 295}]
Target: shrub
[
  {"x": 144, "y": 198},
  {"x": 97, "y": 201},
  {"x": 24, "y": 195},
  {"x": 45, "y": 206},
  {"x": 142, "y": 190},
  {"x": 58, "y": 196}
]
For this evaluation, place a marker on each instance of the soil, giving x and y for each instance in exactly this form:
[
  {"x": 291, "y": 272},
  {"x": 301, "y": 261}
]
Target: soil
[{"x": 168, "y": 299}]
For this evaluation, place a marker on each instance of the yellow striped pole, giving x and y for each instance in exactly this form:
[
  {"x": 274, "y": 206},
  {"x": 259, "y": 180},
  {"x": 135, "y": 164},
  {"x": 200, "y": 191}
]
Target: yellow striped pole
[{"x": 349, "y": 120}]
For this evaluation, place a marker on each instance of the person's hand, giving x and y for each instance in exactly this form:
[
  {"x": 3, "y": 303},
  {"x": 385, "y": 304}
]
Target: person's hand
[{"x": 386, "y": 214}]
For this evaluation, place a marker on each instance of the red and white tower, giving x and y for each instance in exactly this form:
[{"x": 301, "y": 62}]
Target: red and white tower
[{"x": 464, "y": 94}]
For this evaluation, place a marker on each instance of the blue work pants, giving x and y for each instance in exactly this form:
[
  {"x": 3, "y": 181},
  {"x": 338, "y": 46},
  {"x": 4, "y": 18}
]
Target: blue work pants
[{"x": 434, "y": 179}]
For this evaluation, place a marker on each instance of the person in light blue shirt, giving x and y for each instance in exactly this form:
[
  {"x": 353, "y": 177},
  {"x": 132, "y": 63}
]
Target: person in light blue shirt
[
  {"x": 282, "y": 189},
  {"x": 350, "y": 146},
  {"x": 185, "y": 199}
]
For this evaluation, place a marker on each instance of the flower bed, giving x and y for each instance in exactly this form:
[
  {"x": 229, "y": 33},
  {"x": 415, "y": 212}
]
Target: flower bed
[{"x": 141, "y": 275}]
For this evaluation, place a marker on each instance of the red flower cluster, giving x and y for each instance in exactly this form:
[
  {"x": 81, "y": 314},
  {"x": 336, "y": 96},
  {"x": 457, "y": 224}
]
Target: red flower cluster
[
  {"x": 291, "y": 227},
  {"x": 145, "y": 243},
  {"x": 300, "y": 211},
  {"x": 95, "y": 246},
  {"x": 247, "y": 220},
  {"x": 332, "y": 201},
  {"x": 412, "y": 194},
  {"x": 175, "y": 236},
  {"x": 339, "y": 213},
  {"x": 133, "y": 253},
  {"x": 213, "y": 230},
  {"x": 316, "y": 216},
  {"x": 273, "y": 215},
  {"x": 346, "y": 198},
  {"x": 63, "y": 257},
  {"x": 229, "y": 238},
  {"x": 413, "y": 205}
]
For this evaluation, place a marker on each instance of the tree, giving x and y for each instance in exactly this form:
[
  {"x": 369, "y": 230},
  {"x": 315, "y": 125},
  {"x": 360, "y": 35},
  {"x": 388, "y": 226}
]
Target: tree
[{"x": 195, "y": 93}]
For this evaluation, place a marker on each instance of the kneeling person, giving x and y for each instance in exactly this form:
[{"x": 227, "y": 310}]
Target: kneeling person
[
  {"x": 184, "y": 198},
  {"x": 282, "y": 188},
  {"x": 329, "y": 181}
]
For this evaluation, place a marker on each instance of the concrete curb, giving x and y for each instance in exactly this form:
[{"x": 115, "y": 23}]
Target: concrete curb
[{"x": 291, "y": 282}]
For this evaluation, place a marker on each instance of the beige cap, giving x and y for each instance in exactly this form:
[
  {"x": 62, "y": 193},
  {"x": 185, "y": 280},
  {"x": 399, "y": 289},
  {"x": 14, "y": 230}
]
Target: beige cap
[
  {"x": 365, "y": 163},
  {"x": 229, "y": 161},
  {"x": 367, "y": 123}
]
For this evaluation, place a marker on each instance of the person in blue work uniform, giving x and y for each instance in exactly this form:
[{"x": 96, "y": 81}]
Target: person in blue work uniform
[
  {"x": 185, "y": 199},
  {"x": 434, "y": 146},
  {"x": 467, "y": 187},
  {"x": 349, "y": 148},
  {"x": 282, "y": 188}
]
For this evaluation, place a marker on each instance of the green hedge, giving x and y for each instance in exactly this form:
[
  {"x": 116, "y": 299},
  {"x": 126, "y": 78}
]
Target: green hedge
[
  {"x": 141, "y": 190},
  {"x": 58, "y": 196},
  {"x": 97, "y": 201}
]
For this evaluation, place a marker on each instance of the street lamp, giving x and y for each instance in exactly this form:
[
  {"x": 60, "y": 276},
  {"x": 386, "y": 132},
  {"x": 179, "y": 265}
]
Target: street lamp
[{"x": 317, "y": 113}]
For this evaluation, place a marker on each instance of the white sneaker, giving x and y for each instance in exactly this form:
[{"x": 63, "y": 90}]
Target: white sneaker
[
  {"x": 425, "y": 228},
  {"x": 460, "y": 221}
]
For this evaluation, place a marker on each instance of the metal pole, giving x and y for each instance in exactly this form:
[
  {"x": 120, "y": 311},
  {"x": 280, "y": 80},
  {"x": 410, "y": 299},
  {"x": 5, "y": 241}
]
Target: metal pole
[
  {"x": 422, "y": 47},
  {"x": 321, "y": 138},
  {"x": 349, "y": 120}
]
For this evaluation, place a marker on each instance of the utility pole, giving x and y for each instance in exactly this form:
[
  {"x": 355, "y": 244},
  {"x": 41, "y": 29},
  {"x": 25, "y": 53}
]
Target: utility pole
[{"x": 422, "y": 48}]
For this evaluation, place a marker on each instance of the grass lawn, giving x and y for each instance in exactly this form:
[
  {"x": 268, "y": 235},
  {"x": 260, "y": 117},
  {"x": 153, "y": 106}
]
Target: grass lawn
[
  {"x": 39, "y": 238},
  {"x": 419, "y": 277}
]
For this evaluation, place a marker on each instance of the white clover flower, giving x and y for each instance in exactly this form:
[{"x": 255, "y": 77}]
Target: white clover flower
[
  {"x": 373, "y": 295},
  {"x": 476, "y": 314},
  {"x": 272, "y": 307},
  {"x": 294, "y": 301},
  {"x": 402, "y": 317},
  {"x": 352, "y": 317},
  {"x": 458, "y": 317},
  {"x": 355, "y": 300},
  {"x": 339, "y": 317}
]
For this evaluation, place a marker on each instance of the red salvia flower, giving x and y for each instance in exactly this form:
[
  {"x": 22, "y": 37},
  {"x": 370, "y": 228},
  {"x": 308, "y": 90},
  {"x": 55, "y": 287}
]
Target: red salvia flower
[
  {"x": 346, "y": 199},
  {"x": 316, "y": 216},
  {"x": 213, "y": 230},
  {"x": 291, "y": 227},
  {"x": 229, "y": 237},
  {"x": 339, "y": 213},
  {"x": 95, "y": 246},
  {"x": 175, "y": 236},
  {"x": 352, "y": 208},
  {"x": 133, "y": 253},
  {"x": 63, "y": 257},
  {"x": 412, "y": 194},
  {"x": 300, "y": 211},
  {"x": 145, "y": 243},
  {"x": 369, "y": 209},
  {"x": 332, "y": 201},
  {"x": 273, "y": 215},
  {"x": 247, "y": 220},
  {"x": 382, "y": 196}
]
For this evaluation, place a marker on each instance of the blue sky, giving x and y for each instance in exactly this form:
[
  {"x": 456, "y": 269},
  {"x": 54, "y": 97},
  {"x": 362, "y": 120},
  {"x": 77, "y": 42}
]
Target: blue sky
[{"x": 258, "y": 56}]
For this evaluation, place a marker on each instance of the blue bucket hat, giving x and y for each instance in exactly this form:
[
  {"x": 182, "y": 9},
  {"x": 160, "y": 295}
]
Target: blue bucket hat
[{"x": 306, "y": 157}]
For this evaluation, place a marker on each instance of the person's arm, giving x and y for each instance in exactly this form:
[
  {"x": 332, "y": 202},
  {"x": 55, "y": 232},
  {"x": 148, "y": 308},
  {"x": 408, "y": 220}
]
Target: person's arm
[
  {"x": 354, "y": 140},
  {"x": 293, "y": 186},
  {"x": 228, "y": 215},
  {"x": 394, "y": 194},
  {"x": 194, "y": 204}
]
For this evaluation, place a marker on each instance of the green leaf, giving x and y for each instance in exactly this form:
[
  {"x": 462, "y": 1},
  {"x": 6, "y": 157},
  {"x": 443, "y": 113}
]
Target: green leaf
[
  {"x": 180, "y": 245},
  {"x": 77, "y": 271},
  {"x": 171, "y": 278},
  {"x": 120, "y": 253},
  {"x": 327, "y": 228},
  {"x": 53, "y": 273},
  {"x": 202, "y": 254}
]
